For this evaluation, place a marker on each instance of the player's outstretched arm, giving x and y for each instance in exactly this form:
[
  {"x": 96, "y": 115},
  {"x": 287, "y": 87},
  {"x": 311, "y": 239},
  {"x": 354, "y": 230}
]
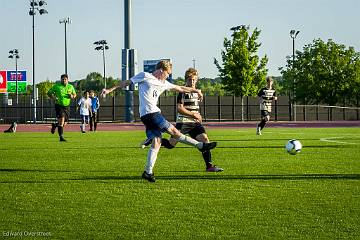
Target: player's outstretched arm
[
  {"x": 122, "y": 84},
  {"x": 184, "y": 89}
]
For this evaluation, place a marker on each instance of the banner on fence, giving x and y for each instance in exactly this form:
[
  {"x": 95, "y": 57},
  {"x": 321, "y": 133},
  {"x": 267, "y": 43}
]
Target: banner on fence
[
  {"x": 12, "y": 75},
  {"x": 8, "y": 81},
  {"x": 2, "y": 81}
]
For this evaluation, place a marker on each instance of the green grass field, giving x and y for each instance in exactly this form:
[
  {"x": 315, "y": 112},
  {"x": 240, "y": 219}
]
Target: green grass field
[{"x": 90, "y": 187}]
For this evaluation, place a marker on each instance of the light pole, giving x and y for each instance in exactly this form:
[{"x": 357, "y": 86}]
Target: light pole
[
  {"x": 65, "y": 21},
  {"x": 15, "y": 54},
  {"x": 293, "y": 34},
  {"x": 35, "y": 6},
  {"x": 102, "y": 45}
]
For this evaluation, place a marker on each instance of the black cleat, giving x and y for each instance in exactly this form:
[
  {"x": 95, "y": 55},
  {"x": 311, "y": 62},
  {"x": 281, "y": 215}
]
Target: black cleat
[
  {"x": 146, "y": 143},
  {"x": 214, "y": 168},
  {"x": 149, "y": 177},
  {"x": 62, "y": 139},
  {"x": 53, "y": 127},
  {"x": 208, "y": 146}
]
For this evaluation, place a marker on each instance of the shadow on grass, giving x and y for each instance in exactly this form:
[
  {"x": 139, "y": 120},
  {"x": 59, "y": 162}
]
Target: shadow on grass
[
  {"x": 209, "y": 176},
  {"x": 234, "y": 177}
]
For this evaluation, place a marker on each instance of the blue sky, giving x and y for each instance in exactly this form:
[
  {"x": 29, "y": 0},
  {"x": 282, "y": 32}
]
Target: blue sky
[{"x": 178, "y": 29}]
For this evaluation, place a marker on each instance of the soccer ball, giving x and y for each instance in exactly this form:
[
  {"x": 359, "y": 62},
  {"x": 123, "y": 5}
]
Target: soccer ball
[{"x": 293, "y": 146}]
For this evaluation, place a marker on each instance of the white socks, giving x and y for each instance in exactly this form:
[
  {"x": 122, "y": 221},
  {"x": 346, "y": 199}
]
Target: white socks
[
  {"x": 151, "y": 159},
  {"x": 190, "y": 141}
]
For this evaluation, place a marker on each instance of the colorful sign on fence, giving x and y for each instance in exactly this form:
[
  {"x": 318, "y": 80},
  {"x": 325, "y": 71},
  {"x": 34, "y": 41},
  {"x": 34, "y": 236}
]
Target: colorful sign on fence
[
  {"x": 8, "y": 81},
  {"x": 2, "y": 81},
  {"x": 11, "y": 76}
]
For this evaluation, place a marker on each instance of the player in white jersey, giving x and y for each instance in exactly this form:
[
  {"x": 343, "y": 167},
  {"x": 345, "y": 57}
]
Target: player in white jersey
[
  {"x": 84, "y": 105},
  {"x": 266, "y": 96},
  {"x": 150, "y": 88},
  {"x": 189, "y": 120}
]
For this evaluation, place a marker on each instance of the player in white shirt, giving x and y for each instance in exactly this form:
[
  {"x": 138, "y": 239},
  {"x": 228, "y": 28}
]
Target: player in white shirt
[
  {"x": 150, "y": 88},
  {"x": 84, "y": 105}
]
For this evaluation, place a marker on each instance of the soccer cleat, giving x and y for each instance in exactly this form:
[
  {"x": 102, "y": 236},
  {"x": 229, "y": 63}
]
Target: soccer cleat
[
  {"x": 53, "y": 127},
  {"x": 208, "y": 146},
  {"x": 149, "y": 177},
  {"x": 62, "y": 139},
  {"x": 258, "y": 130},
  {"x": 214, "y": 168},
  {"x": 146, "y": 143},
  {"x": 83, "y": 131}
]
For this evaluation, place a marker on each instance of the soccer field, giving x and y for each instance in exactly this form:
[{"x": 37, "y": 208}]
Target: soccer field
[{"x": 91, "y": 188}]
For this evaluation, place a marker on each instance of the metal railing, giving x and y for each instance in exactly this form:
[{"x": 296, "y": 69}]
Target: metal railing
[{"x": 213, "y": 108}]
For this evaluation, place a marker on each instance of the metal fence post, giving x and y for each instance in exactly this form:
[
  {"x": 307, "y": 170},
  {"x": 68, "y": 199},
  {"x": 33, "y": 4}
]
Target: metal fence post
[
  {"x": 219, "y": 108},
  {"x": 204, "y": 108},
  {"x": 276, "y": 110},
  {"x": 233, "y": 107},
  {"x": 175, "y": 107},
  {"x": 290, "y": 109},
  {"x": 113, "y": 107}
]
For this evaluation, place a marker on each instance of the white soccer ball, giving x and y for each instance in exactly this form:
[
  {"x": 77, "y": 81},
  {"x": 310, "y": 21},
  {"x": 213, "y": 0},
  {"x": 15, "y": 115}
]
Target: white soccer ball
[{"x": 293, "y": 146}]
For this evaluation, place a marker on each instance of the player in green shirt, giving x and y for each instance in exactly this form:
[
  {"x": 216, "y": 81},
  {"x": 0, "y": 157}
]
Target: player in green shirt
[{"x": 62, "y": 93}]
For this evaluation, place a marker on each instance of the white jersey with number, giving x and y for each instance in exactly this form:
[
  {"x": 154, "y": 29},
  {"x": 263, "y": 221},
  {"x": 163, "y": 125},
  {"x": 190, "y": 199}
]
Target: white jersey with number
[
  {"x": 150, "y": 89},
  {"x": 85, "y": 106}
]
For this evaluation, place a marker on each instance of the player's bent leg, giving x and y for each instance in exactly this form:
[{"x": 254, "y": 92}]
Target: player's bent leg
[
  {"x": 168, "y": 143},
  {"x": 190, "y": 141}
]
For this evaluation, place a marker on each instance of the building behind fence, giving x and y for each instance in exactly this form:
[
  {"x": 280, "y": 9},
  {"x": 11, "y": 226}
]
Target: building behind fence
[{"x": 213, "y": 108}]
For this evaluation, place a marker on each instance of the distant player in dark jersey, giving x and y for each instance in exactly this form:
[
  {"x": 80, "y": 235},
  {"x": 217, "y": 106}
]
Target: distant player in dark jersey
[
  {"x": 95, "y": 105},
  {"x": 189, "y": 119},
  {"x": 62, "y": 93},
  {"x": 266, "y": 96}
]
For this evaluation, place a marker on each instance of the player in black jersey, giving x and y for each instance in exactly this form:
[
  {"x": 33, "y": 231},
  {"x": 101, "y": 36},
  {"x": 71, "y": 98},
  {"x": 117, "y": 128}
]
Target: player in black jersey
[
  {"x": 189, "y": 120},
  {"x": 266, "y": 96}
]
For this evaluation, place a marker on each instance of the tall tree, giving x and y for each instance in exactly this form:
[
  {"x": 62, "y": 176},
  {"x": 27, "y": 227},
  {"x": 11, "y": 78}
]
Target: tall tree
[
  {"x": 324, "y": 73},
  {"x": 242, "y": 71},
  {"x": 44, "y": 87}
]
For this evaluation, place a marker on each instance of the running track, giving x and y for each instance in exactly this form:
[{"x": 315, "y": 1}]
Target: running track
[{"x": 209, "y": 125}]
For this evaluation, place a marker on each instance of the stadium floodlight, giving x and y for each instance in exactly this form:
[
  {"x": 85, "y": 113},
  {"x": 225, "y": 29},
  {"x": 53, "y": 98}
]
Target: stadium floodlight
[
  {"x": 65, "y": 21},
  {"x": 101, "y": 45},
  {"x": 43, "y": 11},
  {"x": 293, "y": 35},
  {"x": 34, "y": 4},
  {"x": 34, "y": 7},
  {"x": 42, "y": 3},
  {"x": 14, "y": 54}
]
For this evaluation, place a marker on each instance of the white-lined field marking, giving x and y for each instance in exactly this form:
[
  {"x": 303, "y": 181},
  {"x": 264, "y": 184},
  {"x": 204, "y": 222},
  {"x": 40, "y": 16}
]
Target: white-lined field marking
[
  {"x": 270, "y": 132},
  {"x": 333, "y": 140}
]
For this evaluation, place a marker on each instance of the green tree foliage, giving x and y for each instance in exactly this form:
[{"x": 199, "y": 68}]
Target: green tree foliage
[
  {"x": 323, "y": 73},
  {"x": 242, "y": 72},
  {"x": 44, "y": 87},
  {"x": 93, "y": 81},
  {"x": 211, "y": 87}
]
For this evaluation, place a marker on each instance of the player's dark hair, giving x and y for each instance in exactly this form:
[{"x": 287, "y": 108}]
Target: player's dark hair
[{"x": 64, "y": 76}]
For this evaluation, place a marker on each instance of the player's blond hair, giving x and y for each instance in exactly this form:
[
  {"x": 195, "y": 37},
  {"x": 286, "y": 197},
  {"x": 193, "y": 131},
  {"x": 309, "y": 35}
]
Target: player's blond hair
[
  {"x": 269, "y": 79},
  {"x": 164, "y": 65},
  {"x": 190, "y": 72}
]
